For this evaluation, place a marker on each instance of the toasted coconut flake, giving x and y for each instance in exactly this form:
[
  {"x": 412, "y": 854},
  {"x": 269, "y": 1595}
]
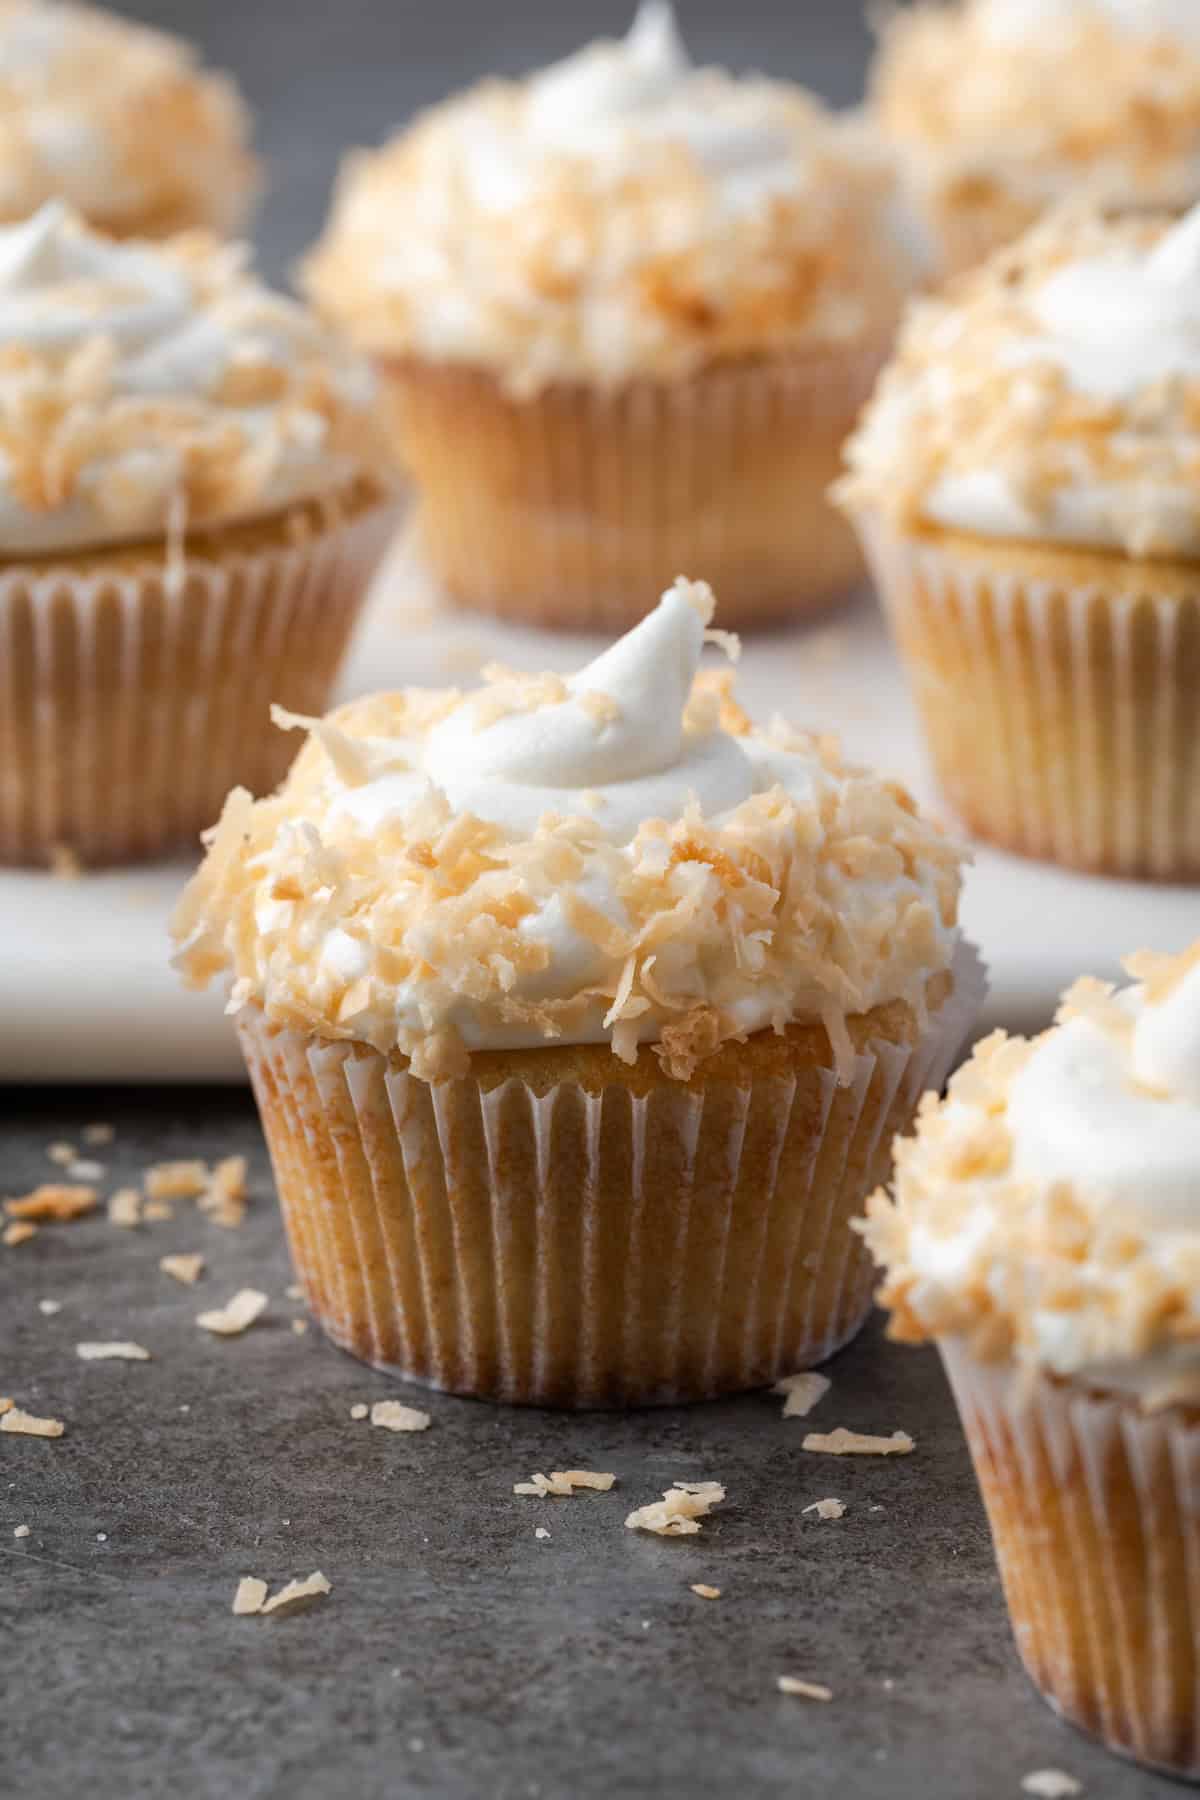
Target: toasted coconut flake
[
  {"x": 359, "y": 1410},
  {"x": 62, "y": 1154},
  {"x": 224, "y": 1195},
  {"x": 28, "y": 1425},
  {"x": 393, "y": 1415},
  {"x": 21, "y": 1531},
  {"x": 705, "y": 1592},
  {"x": 156, "y": 1212},
  {"x": 679, "y": 1512},
  {"x": 827, "y": 1509},
  {"x": 186, "y": 1266},
  {"x": 180, "y": 1180},
  {"x": 249, "y": 1595},
  {"x": 125, "y": 1208},
  {"x": 53, "y": 1201},
  {"x": 49, "y": 1307},
  {"x": 562, "y": 1483},
  {"x": 297, "y": 1594},
  {"x": 1050, "y": 1784},
  {"x": 294, "y": 1291},
  {"x": 112, "y": 1353},
  {"x": 803, "y": 1690},
  {"x": 856, "y": 1443},
  {"x": 801, "y": 1393},
  {"x": 541, "y": 1532},
  {"x": 247, "y": 1305},
  {"x": 6, "y": 1405},
  {"x": 19, "y": 1232}
]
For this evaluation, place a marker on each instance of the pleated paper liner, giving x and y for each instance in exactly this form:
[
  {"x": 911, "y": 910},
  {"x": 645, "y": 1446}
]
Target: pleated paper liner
[
  {"x": 132, "y": 699},
  {"x": 1057, "y": 690},
  {"x": 557, "y": 1230},
  {"x": 576, "y": 507},
  {"x": 1095, "y": 1514}
]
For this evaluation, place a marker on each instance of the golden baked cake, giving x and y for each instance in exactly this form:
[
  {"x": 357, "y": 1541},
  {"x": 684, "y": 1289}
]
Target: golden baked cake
[
  {"x": 1001, "y": 109},
  {"x": 581, "y": 1014},
  {"x": 1045, "y": 1231},
  {"x": 189, "y": 515},
  {"x": 626, "y": 311},
  {"x": 1027, "y": 483}
]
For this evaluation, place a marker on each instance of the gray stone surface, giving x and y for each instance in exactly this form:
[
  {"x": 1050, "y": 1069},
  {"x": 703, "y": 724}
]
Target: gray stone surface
[{"x": 457, "y": 1655}]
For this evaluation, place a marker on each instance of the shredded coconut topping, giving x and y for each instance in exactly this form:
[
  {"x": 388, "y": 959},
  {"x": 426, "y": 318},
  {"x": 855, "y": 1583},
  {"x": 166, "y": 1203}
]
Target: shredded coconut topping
[
  {"x": 679, "y": 1512},
  {"x": 418, "y": 884},
  {"x": 622, "y": 214}
]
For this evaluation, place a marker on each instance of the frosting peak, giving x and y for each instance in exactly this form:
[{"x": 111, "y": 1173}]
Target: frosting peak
[{"x": 607, "y": 82}]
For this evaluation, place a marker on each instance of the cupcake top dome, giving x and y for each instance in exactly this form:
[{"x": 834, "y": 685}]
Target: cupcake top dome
[
  {"x": 151, "y": 387},
  {"x": 620, "y": 214},
  {"x": 117, "y": 120},
  {"x": 1051, "y": 396},
  {"x": 1049, "y": 1208},
  {"x": 1042, "y": 99},
  {"x": 617, "y": 857}
]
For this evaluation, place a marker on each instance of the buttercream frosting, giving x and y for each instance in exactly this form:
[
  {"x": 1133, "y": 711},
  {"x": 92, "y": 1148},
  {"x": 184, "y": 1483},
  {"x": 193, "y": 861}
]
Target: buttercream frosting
[
  {"x": 1054, "y": 396},
  {"x": 119, "y": 121},
  {"x": 1050, "y": 1206},
  {"x": 1008, "y": 106},
  {"x": 621, "y": 212},
  {"x": 147, "y": 387},
  {"x": 617, "y": 857}
]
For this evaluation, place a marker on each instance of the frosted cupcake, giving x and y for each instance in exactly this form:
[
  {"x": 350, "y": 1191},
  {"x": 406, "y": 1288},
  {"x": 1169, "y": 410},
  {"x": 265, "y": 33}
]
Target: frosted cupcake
[
  {"x": 118, "y": 121},
  {"x": 1002, "y": 108},
  {"x": 1046, "y": 1232},
  {"x": 627, "y": 311},
  {"x": 1027, "y": 483},
  {"x": 580, "y": 1015},
  {"x": 188, "y": 521}
]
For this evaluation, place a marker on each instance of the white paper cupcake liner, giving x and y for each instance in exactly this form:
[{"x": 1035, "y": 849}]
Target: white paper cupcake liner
[
  {"x": 1095, "y": 1513},
  {"x": 1061, "y": 718},
  {"x": 131, "y": 701},
  {"x": 551, "y": 1245},
  {"x": 577, "y": 507}
]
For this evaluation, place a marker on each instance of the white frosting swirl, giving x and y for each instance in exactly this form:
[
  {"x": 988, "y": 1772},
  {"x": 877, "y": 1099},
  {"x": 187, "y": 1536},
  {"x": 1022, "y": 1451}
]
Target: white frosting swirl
[{"x": 154, "y": 355}]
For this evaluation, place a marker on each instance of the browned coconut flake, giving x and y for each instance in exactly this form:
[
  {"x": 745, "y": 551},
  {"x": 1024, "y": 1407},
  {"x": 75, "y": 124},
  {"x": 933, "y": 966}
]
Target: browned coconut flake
[
  {"x": 26, "y": 1424},
  {"x": 856, "y": 1443},
  {"x": 679, "y": 1512},
  {"x": 53, "y": 1201}
]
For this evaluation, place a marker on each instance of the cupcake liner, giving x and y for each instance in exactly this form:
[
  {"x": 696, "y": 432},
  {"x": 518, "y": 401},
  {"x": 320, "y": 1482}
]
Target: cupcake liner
[
  {"x": 132, "y": 697},
  {"x": 574, "y": 507},
  {"x": 1060, "y": 713},
  {"x": 539, "y": 1242},
  {"x": 1095, "y": 1513}
]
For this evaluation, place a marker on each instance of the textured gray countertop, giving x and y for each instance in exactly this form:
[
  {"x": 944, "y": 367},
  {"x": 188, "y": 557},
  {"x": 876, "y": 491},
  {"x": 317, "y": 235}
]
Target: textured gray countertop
[{"x": 458, "y": 1655}]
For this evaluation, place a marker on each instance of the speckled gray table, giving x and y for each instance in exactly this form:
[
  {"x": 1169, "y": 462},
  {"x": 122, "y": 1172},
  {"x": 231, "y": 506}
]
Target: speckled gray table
[{"x": 458, "y": 1654}]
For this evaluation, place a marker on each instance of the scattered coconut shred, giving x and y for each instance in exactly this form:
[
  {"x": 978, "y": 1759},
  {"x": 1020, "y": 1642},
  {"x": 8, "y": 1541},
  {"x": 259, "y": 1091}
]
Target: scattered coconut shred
[
  {"x": 1051, "y": 1784},
  {"x": 111, "y": 1353},
  {"x": 187, "y": 1266},
  {"x": 562, "y": 1483},
  {"x": 393, "y": 1415},
  {"x": 247, "y": 1305},
  {"x": 679, "y": 1512},
  {"x": 53, "y": 1201},
  {"x": 804, "y": 1690},
  {"x": 705, "y": 1592},
  {"x": 251, "y": 1595},
  {"x": 19, "y": 1232},
  {"x": 856, "y": 1443},
  {"x": 801, "y": 1393},
  {"x": 827, "y": 1509},
  {"x": 12, "y": 1418}
]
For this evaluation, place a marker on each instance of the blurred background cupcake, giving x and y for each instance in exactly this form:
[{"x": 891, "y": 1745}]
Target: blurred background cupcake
[
  {"x": 1027, "y": 483},
  {"x": 120, "y": 121},
  {"x": 580, "y": 1016},
  {"x": 1001, "y": 108},
  {"x": 1046, "y": 1232},
  {"x": 627, "y": 311},
  {"x": 189, "y": 516}
]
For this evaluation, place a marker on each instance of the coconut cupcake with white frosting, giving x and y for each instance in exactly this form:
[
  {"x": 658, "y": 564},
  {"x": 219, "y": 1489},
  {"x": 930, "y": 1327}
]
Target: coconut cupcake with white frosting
[
  {"x": 189, "y": 516},
  {"x": 120, "y": 122},
  {"x": 1027, "y": 483},
  {"x": 1045, "y": 1231},
  {"x": 580, "y": 1014},
  {"x": 1001, "y": 109},
  {"x": 627, "y": 311}
]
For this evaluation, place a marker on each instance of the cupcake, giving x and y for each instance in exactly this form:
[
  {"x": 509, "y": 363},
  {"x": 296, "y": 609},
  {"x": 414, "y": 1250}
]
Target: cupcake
[
  {"x": 188, "y": 522},
  {"x": 1027, "y": 484},
  {"x": 627, "y": 311},
  {"x": 1045, "y": 1231},
  {"x": 118, "y": 121},
  {"x": 580, "y": 1015},
  {"x": 1000, "y": 109}
]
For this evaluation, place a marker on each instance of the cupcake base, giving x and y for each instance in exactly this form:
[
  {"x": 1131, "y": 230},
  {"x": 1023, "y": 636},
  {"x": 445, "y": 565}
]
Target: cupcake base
[
  {"x": 1057, "y": 689},
  {"x": 575, "y": 507},
  {"x": 135, "y": 693},
  {"x": 559, "y": 1229},
  {"x": 1094, "y": 1507}
]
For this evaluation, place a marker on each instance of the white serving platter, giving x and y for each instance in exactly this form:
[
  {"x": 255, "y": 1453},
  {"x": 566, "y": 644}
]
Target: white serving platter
[{"x": 87, "y": 993}]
